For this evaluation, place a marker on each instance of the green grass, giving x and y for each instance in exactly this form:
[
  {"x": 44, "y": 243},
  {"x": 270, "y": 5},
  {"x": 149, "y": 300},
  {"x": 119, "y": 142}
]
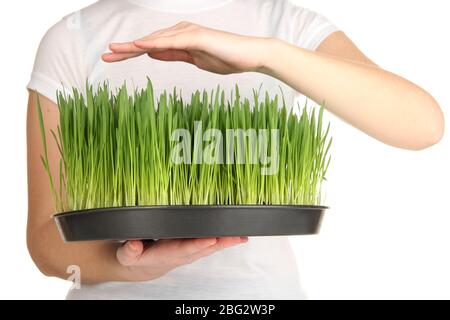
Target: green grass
[{"x": 116, "y": 150}]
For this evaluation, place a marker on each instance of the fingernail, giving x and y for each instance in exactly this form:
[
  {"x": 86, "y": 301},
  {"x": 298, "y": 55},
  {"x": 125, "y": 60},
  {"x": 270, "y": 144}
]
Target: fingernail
[
  {"x": 244, "y": 239},
  {"x": 133, "y": 246}
]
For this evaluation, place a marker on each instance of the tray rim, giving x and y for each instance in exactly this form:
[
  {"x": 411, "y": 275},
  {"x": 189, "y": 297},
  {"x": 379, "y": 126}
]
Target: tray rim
[{"x": 189, "y": 207}]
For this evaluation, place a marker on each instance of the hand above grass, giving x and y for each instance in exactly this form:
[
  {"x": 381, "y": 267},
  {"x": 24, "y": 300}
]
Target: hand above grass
[
  {"x": 212, "y": 50},
  {"x": 379, "y": 103},
  {"x": 148, "y": 262}
]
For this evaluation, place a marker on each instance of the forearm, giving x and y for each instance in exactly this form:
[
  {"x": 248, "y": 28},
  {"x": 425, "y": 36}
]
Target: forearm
[
  {"x": 385, "y": 106},
  {"x": 96, "y": 260}
]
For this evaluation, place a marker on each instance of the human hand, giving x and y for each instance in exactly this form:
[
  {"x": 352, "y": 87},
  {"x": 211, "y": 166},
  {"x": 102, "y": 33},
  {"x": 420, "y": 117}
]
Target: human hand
[
  {"x": 212, "y": 50},
  {"x": 145, "y": 263}
]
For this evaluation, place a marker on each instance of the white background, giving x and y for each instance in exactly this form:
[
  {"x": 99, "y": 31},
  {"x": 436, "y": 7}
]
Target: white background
[{"x": 387, "y": 235}]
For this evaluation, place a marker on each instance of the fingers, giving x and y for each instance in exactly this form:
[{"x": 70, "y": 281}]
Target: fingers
[
  {"x": 123, "y": 51},
  {"x": 126, "y": 47},
  {"x": 223, "y": 243},
  {"x": 191, "y": 246},
  {"x": 165, "y": 49},
  {"x": 170, "y": 251},
  {"x": 130, "y": 47},
  {"x": 129, "y": 253},
  {"x": 168, "y": 254},
  {"x": 116, "y": 57},
  {"x": 179, "y": 41},
  {"x": 182, "y": 36}
]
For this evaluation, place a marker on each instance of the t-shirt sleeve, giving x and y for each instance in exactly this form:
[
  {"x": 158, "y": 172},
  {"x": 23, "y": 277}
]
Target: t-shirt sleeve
[
  {"x": 59, "y": 64},
  {"x": 311, "y": 28}
]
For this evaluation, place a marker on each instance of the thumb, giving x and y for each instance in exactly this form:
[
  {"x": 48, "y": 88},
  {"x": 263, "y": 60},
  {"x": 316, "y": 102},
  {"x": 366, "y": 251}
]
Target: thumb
[{"x": 130, "y": 252}]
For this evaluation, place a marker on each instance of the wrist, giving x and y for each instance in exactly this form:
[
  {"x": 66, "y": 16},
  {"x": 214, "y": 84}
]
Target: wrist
[{"x": 270, "y": 52}]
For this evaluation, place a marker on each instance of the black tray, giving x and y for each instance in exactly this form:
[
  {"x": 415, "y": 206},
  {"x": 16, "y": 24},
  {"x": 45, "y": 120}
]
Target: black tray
[{"x": 169, "y": 222}]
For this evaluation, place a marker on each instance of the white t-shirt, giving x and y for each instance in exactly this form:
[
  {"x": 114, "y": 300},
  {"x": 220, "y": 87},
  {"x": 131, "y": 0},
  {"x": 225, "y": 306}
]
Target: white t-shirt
[{"x": 70, "y": 54}]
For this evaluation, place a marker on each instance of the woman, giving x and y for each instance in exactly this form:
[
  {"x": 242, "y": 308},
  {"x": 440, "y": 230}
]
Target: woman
[{"x": 248, "y": 42}]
